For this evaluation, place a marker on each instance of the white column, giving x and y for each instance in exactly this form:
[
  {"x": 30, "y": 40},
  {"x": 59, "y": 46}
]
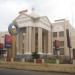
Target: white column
[
  {"x": 26, "y": 40},
  {"x": 24, "y": 35},
  {"x": 66, "y": 49},
  {"x": 30, "y": 38},
  {"x": 49, "y": 43},
  {"x": 13, "y": 47},
  {"x": 39, "y": 40},
  {"x": 73, "y": 61},
  {"x": 33, "y": 40},
  {"x": 17, "y": 44},
  {"x": 45, "y": 46},
  {"x": 20, "y": 43}
]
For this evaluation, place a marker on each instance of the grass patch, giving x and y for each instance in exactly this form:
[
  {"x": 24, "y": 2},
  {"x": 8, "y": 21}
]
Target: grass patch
[{"x": 1, "y": 61}]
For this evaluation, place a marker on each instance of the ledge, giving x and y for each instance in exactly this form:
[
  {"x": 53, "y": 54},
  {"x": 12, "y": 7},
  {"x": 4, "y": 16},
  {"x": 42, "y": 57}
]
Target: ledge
[{"x": 65, "y": 68}]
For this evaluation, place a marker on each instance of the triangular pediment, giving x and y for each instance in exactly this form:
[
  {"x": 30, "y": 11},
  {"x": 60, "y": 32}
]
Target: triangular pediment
[
  {"x": 23, "y": 17},
  {"x": 45, "y": 20},
  {"x": 24, "y": 20}
]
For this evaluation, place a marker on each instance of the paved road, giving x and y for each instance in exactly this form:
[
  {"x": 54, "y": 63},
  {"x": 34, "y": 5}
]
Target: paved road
[{"x": 21, "y": 72}]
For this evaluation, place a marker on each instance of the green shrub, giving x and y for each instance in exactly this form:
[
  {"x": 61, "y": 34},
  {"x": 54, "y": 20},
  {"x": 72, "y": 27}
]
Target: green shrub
[{"x": 35, "y": 55}]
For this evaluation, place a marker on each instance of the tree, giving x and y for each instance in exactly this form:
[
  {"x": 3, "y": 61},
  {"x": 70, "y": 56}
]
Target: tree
[{"x": 35, "y": 55}]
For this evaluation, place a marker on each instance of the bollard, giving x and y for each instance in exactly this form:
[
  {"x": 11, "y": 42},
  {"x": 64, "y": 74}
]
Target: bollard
[
  {"x": 73, "y": 61},
  {"x": 12, "y": 59},
  {"x": 23, "y": 60},
  {"x": 42, "y": 60},
  {"x": 57, "y": 61},
  {"x": 34, "y": 60}
]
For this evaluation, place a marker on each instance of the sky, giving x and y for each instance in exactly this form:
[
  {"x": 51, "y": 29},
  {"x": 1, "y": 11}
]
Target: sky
[{"x": 53, "y": 9}]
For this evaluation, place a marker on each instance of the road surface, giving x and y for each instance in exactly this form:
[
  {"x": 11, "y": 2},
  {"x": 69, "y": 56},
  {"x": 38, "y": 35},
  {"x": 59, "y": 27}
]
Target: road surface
[{"x": 22, "y": 72}]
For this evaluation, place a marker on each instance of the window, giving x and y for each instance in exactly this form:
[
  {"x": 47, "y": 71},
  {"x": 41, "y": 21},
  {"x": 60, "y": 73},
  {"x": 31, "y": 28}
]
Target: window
[
  {"x": 61, "y": 43},
  {"x": 61, "y": 51},
  {"x": 54, "y": 51},
  {"x": 54, "y": 34},
  {"x": 61, "y": 34}
]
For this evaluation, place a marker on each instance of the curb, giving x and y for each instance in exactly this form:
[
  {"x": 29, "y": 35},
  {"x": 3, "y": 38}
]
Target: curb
[{"x": 60, "y": 68}]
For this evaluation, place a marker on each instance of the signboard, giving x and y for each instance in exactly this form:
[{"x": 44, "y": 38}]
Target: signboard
[
  {"x": 13, "y": 29},
  {"x": 1, "y": 46},
  {"x": 57, "y": 44},
  {"x": 8, "y": 41},
  {"x": 7, "y": 45}
]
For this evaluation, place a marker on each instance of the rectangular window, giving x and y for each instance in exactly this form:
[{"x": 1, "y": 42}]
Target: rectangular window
[
  {"x": 54, "y": 34},
  {"x": 61, "y": 34},
  {"x": 54, "y": 51},
  {"x": 61, "y": 51},
  {"x": 61, "y": 43}
]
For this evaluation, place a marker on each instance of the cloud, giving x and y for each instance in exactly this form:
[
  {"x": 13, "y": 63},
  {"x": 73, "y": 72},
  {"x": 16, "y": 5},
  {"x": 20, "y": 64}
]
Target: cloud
[
  {"x": 54, "y": 9},
  {"x": 8, "y": 11}
]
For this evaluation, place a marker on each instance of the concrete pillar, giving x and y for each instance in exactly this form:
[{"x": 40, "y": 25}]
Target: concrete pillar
[
  {"x": 24, "y": 34},
  {"x": 5, "y": 59},
  {"x": 39, "y": 40},
  {"x": 42, "y": 60},
  {"x": 12, "y": 59},
  {"x": 14, "y": 47},
  {"x": 66, "y": 49},
  {"x": 23, "y": 59},
  {"x": 27, "y": 42},
  {"x": 49, "y": 43},
  {"x": 45, "y": 39},
  {"x": 73, "y": 61},
  {"x": 33, "y": 39},
  {"x": 9, "y": 54},
  {"x": 30, "y": 38},
  {"x": 57, "y": 61},
  {"x": 20, "y": 43},
  {"x": 17, "y": 44},
  {"x": 34, "y": 60}
]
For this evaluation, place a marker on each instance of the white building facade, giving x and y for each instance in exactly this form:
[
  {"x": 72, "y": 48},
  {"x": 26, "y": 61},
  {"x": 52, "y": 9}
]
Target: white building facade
[
  {"x": 34, "y": 35},
  {"x": 37, "y": 33}
]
